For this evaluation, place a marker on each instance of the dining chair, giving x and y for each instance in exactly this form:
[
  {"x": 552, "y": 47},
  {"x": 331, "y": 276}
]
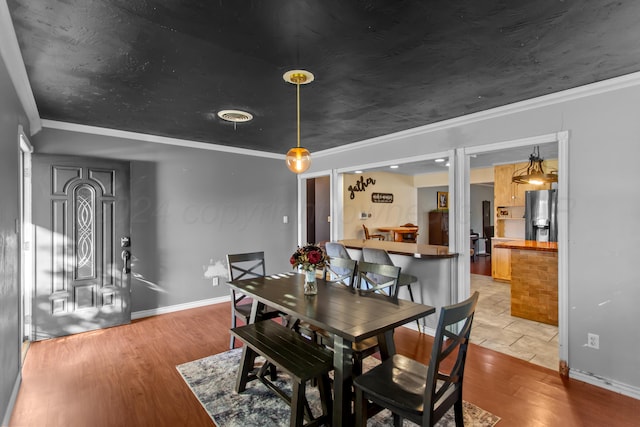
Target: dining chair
[
  {"x": 246, "y": 266},
  {"x": 417, "y": 392},
  {"x": 341, "y": 270},
  {"x": 371, "y": 236},
  {"x": 336, "y": 250},
  {"x": 378, "y": 278},
  {"x": 381, "y": 256}
]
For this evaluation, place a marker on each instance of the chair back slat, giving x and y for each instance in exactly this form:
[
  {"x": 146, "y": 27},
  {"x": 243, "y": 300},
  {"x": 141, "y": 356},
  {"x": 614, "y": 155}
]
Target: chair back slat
[
  {"x": 248, "y": 264},
  {"x": 341, "y": 271},
  {"x": 378, "y": 278},
  {"x": 451, "y": 340}
]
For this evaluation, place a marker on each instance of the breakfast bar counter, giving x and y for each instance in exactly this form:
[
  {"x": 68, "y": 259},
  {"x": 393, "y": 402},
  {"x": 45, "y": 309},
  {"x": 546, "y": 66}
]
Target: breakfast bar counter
[
  {"x": 415, "y": 250},
  {"x": 433, "y": 266}
]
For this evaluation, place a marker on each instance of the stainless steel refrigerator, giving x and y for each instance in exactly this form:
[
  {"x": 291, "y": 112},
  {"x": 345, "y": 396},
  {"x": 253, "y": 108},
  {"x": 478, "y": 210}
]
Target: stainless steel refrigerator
[{"x": 541, "y": 212}]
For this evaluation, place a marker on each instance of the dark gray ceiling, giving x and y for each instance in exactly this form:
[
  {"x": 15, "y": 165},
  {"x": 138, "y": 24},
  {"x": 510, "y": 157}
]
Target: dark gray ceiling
[{"x": 165, "y": 67}]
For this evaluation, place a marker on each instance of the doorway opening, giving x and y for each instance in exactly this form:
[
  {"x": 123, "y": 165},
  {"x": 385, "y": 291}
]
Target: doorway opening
[
  {"x": 536, "y": 341},
  {"x": 318, "y": 211}
]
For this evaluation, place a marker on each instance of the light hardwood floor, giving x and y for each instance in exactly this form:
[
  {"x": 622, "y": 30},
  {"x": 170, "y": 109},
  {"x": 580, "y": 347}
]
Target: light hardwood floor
[
  {"x": 126, "y": 376},
  {"x": 495, "y": 328}
]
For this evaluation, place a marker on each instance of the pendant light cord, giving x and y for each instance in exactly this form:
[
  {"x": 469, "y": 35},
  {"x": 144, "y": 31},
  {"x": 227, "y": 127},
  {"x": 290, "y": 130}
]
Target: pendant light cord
[{"x": 298, "y": 109}]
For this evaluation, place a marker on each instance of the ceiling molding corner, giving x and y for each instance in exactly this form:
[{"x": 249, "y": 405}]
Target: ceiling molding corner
[
  {"x": 142, "y": 137},
  {"x": 10, "y": 52}
]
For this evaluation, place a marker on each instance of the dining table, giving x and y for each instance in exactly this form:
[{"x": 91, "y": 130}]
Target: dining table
[
  {"x": 349, "y": 314},
  {"x": 398, "y": 231}
]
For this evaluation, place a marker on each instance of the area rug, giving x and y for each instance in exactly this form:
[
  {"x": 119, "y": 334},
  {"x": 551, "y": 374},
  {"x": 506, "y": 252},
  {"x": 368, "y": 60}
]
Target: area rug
[{"x": 212, "y": 379}]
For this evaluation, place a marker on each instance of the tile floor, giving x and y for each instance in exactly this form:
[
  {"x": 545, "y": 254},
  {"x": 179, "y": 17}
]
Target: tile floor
[{"x": 495, "y": 328}]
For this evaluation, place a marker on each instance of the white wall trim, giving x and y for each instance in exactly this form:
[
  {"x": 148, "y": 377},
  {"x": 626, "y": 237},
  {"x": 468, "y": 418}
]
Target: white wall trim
[
  {"x": 179, "y": 307},
  {"x": 10, "y": 52},
  {"x": 115, "y": 133},
  {"x": 12, "y": 400},
  {"x": 612, "y": 385},
  {"x": 616, "y": 83}
]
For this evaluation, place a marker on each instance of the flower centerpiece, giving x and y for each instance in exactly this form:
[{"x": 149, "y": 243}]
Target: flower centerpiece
[{"x": 308, "y": 258}]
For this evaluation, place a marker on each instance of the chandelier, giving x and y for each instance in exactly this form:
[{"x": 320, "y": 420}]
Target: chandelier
[
  {"x": 534, "y": 173},
  {"x": 298, "y": 158}
]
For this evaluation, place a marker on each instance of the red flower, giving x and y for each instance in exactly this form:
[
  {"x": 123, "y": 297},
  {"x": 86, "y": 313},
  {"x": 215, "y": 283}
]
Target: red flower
[{"x": 314, "y": 257}]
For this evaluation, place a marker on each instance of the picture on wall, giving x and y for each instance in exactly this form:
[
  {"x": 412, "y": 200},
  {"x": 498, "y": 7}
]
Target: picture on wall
[{"x": 443, "y": 200}]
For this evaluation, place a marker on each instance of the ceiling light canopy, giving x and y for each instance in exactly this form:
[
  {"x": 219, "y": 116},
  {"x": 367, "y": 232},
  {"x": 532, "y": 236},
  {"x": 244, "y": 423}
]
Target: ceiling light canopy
[
  {"x": 534, "y": 173},
  {"x": 298, "y": 158}
]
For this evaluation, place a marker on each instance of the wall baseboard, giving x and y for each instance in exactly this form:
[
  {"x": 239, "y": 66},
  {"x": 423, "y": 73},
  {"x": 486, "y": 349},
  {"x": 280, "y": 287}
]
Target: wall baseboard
[
  {"x": 178, "y": 307},
  {"x": 12, "y": 401},
  {"x": 611, "y": 385}
]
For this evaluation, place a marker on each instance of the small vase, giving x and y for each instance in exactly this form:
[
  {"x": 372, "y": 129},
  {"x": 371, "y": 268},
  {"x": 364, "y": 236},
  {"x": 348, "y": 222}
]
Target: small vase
[{"x": 310, "y": 284}]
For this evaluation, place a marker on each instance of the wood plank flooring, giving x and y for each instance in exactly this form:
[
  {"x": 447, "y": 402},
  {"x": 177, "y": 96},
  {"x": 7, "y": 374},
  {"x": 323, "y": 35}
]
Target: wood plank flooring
[{"x": 126, "y": 376}]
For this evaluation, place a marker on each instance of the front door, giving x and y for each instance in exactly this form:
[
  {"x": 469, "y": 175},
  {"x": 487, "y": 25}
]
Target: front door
[{"x": 81, "y": 221}]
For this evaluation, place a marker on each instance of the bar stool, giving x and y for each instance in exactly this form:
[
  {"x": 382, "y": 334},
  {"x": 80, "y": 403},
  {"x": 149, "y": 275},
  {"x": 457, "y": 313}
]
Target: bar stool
[{"x": 380, "y": 256}]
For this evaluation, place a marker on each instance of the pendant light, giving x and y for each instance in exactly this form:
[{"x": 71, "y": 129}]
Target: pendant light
[
  {"x": 534, "y": 173},
  {"x": 298, "y": 158}
]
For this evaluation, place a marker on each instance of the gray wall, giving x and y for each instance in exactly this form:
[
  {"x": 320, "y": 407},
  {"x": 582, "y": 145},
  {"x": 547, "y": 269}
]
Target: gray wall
[
  {"x": 603, "y": 199},
  {"x": 11, "y": 115},
  {"x": 190, "y": 207}
]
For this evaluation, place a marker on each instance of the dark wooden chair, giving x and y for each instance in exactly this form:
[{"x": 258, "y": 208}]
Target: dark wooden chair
[
  {"x": 380, "y": 256},
  {"x": 341, "y": 270},
  {"x": 379, "y": 278},
  {"x": 371, "y": 236},
  {"x": 420, "y": 393},
  {"x": 410, "y": 237},
  {"x": 245, "y": 266}
]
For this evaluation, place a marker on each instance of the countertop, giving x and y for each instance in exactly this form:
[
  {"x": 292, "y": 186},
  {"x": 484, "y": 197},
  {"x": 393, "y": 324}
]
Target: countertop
[
  {"x": 415, "y": 250},
  {"x": 530, "y": 245}
]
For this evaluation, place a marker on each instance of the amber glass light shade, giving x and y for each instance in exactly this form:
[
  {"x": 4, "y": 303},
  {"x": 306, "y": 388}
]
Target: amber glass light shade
[{"x": 298, "y": 159}]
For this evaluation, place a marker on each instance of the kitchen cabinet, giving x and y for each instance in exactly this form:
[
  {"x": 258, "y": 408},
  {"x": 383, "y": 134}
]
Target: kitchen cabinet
[
  {"x": 438, "y": 228},
  {"x": 500, "y": 262},
  {"x": 502, "y": 186}
]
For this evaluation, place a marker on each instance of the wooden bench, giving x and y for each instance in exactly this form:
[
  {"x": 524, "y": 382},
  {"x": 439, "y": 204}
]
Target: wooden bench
[{"x": 302, "y": 359}]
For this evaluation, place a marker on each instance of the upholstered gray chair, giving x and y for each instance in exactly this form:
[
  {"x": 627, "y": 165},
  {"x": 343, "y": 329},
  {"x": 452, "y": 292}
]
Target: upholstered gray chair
[{"x": 380, "y": 256}]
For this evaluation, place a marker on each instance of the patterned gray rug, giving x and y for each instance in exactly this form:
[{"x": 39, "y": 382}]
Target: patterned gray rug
[{"x": 212, "y": 380}]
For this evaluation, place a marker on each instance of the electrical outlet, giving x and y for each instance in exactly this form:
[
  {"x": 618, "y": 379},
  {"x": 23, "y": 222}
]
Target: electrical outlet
[
  {"x": 215, "y": 281},
  {"x": 593, "y": 340}
]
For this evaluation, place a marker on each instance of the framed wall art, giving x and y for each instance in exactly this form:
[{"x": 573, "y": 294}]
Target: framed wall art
[{"x": 443, "y": 200}]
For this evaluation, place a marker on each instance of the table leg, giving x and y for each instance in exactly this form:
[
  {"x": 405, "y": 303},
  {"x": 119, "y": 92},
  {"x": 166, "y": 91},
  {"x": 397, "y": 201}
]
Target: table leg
[
  {"x": 342, "y": 381},
  {"x": 386, "y": 344}
]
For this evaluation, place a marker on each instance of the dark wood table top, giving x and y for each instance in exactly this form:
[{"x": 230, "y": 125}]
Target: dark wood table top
[{"x": 347, "y": 313}]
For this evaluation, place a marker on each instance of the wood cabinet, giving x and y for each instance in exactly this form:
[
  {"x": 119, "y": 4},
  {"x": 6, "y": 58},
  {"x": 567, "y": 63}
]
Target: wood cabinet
[
  {"x": 500, "y": 262},
  {"x": 505, "y": 192},
  {"x": 438, "y": 228},
  {"x": 502, "y": 187}
]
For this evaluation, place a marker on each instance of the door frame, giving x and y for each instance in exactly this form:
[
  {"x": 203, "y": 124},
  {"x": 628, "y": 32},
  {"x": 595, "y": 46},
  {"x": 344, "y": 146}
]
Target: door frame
[
  {"x": 26, "y": 238},
  {"x": 463, "y": 217},
  {"x": 302, "y": 204}
]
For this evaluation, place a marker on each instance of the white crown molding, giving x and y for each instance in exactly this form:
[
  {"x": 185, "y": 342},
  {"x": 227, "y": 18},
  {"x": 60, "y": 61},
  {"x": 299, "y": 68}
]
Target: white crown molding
[
  {"x": 592, "y": 89},
  {"x": 178, "y": 307},
  {"x": 94, "y": 130},
  {"x": 10, "y": 52}
]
